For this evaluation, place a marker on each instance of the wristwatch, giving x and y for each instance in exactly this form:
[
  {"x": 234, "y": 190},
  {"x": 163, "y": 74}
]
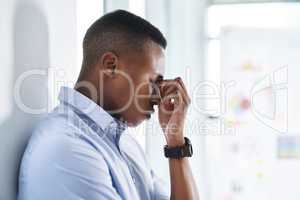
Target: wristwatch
[{"x": 181, "y": 151}]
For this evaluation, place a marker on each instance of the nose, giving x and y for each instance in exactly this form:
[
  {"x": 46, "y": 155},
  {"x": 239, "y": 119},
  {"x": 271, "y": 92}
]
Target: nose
[{"x": 156, "y": 94}]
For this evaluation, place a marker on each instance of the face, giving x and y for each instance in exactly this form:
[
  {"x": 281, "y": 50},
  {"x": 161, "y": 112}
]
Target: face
[{"x": 135, "y": 87}]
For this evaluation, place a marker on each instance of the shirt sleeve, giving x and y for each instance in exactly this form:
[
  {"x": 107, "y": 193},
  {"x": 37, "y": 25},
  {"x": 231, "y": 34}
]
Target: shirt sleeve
[
  {"x": 161, "y": 189},
  {"x": 70, "y": 169},
  {"x": 162, "y": 192}
]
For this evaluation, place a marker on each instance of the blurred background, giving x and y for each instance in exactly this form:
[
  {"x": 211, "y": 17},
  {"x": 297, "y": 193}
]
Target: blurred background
[{"x": 239, "y": 59}]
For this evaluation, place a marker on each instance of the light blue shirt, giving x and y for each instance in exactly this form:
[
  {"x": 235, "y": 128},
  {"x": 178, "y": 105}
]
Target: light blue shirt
[{"x": 79, "y": 152}]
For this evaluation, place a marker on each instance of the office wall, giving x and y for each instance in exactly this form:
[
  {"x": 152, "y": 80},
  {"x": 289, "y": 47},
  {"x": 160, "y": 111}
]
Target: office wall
[{"x": 37, "y": 39}]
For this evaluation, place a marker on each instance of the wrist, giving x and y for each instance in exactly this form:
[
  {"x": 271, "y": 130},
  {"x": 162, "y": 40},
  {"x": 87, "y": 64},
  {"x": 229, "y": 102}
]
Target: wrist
[
  {"x": 179, "y": 151},
  {"x": 175, "y": 141}
]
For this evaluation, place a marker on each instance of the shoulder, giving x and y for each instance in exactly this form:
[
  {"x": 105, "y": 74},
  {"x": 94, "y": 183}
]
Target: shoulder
[
  {"x": 59, "y": 166},
  {"x": 54, "y": 151},
  {"x": 57, "y": 138}
]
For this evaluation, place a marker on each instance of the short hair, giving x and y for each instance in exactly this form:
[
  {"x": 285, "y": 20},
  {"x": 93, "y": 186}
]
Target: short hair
[{"x": 120, "y": 32}]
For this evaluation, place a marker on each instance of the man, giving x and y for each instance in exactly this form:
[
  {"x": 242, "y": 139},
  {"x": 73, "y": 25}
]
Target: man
[{"x": 80, "y": 151}]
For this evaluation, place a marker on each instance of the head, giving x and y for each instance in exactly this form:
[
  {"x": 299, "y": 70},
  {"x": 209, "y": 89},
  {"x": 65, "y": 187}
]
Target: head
[{"x": 123, "y": 58}]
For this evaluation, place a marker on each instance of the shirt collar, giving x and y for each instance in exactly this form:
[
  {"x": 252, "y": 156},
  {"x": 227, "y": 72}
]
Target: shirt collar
[{"x": 92, "y": 110}]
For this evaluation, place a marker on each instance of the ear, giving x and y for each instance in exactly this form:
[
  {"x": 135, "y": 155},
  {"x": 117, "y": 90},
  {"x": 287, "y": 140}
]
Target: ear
[{"x": 109, "y": 62}]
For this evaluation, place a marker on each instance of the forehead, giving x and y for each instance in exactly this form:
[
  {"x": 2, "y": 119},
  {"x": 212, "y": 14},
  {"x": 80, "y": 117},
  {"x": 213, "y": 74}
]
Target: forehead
[{"x": 156, "y": 58}]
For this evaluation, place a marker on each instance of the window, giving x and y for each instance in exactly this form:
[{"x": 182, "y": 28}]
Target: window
[
  {"x": 249, "y": 162},
  {"x": 264, "y": 15}
]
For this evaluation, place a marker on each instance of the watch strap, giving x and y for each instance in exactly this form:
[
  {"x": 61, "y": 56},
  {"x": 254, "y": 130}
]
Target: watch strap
[{"x": 179, "y": 152}]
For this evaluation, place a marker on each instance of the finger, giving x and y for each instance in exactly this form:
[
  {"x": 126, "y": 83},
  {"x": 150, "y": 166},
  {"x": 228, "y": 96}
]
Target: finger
[
  {"x": 180, "y": 92},
  {"x": 170, "y": 89},
  {"x": 167, "y": 85},
  {"x": 166, "y": 105},
  {"x": 174, "y": 98},
  {"x": 179, "y": 80}
]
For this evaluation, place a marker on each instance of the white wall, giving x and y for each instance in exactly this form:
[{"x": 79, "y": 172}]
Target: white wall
[{"x": 34, "y": 35}]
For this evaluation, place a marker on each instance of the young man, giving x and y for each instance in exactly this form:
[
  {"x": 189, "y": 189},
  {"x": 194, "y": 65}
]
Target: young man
[{"x": 79, "y": 150}]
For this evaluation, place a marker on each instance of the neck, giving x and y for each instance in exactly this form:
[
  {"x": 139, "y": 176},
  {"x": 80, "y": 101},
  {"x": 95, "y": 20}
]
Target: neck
[{"x": 97, "y": 95}]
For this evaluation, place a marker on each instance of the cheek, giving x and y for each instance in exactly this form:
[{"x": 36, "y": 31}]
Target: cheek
[
  {"x": 142, "y": 95},
  {"x": 124, "y": 92},
  {"x": 144, "y": 89},
  {"x": 141, "y": 80}
]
